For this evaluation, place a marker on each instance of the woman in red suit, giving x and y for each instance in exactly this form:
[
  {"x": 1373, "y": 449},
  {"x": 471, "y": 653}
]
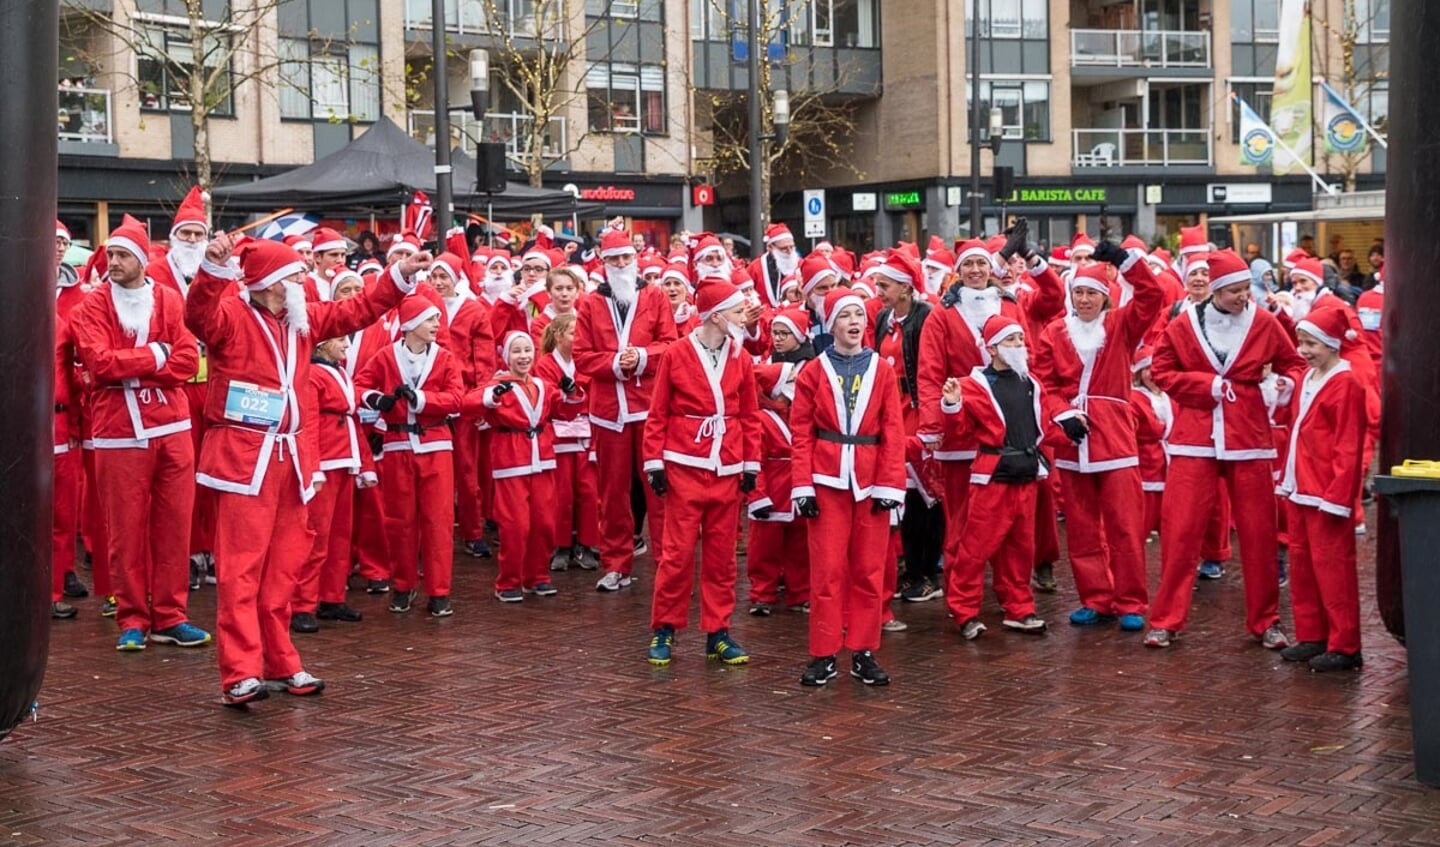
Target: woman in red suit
[{"x": 577, "y": 521}]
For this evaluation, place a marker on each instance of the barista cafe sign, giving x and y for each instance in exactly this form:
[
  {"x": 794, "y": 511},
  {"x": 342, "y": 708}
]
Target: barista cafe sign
[{"x": 1057, "y": 195}]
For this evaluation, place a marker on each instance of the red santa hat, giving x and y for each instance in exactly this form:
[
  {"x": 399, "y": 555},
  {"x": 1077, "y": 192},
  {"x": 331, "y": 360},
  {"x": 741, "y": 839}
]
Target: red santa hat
[
  {"x": 510, "y": 338},
  {"x": 796, "y": 320},
  {"x": 131, "y": 237},
  {"x": 1060, "y": 256},
  {"x": 837, "y": 299},
  {"x": 717, "y": 296},
  {"x": 740, "y": 278},
  {"x": 370, "y": 266},
  {"x": 62, "y": 231},
  {"x": 406, "y": 241},
  {"x": 677, "y": 270},
  {"x": 1310, "y": 268},
  {"x": 865, "y": 288},
  {"x": 1193, "y": 240},
  {"x": 1144, "y": 355},
  {"x": 1081, "y": 245},
  {"x": 998, "y": 328},
  {"x": 1294, "y": 257},
  {"x": 616, "y": 242},
  {"x": 299, "y": 242},
  {"x": 264, "y": 263},
  {"x": 1329, "y": 326},
  {"x": 191, "y": 211},
  {"x": 1132, "y": 242},
  {"x": 792, "y": 281},
  {"x": 705, "y": 245},
  {"x": 813, "y": 269},
  {"x": 844, "y": 262},
  {"x": 539, "y": 254},
  {"x": 651, "y": 262},
  {"x": 344, "y": 274},
  {"x": 680, "y": 255},
  {"x": 416, "y": 310},
  {"x": 498, "y": 256},
  {"x": 938, "y": 256},
  {"x": 1193, "y": 261},
  {"x": 973, "y": 247},
  {"x": 823, "y": 245},
  {"x": 1092, "y": 277},
  {"x": 544, "y": 237},
  {"x": 324, "y": 238},
  {"x": 452, "y": 265},
  {"x": 1163, "y": 255},
  {"x": 1226, "y": 269},
  {"x": 901, "y": 267},
  {"x": 775, "y": 232},
  {"x": 767, "y": 379}
]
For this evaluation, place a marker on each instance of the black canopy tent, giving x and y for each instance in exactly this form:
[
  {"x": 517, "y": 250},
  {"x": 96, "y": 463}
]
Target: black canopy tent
[{"x": 381, "y": 170}]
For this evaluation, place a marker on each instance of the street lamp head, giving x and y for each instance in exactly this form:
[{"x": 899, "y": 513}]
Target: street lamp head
[
  {"x": 997, "y": 128},
  {"x": 782, "y": 116},
  {"x": 479, "y": 82}
]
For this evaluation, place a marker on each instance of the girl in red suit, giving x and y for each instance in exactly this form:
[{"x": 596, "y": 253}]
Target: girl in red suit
[
  {"x": 577, "y": 522},
  {"x": 1153, "y": 416}
]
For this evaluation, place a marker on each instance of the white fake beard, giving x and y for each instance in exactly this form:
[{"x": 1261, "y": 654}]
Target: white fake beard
[
  {"x": 1304, "y": 301},
  {"x": 133, "y": 307},
  {"x": 186, "y": 257},
  {"x": 934, "y": 280},
  {"x": 1017, "y": 358},
  {"x": 495, "y": 285},
  {"x": 622, "y": 283},
  {"x": 297, "y": 313},
  {"x": 979, "y": 305},
  {"x": 817, "y": 302},
  {"x": 786, "y": 262},
  {"x": 708, "y": 272},
  {"x": 737, "y": 338},
  {"x": 1087, "y": 336}
]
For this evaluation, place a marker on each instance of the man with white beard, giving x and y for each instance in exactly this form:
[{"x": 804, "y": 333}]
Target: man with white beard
[
  {"x": 132, "y": 339},
  {"x": 187, "y": 244},
  {"x": 779, "y": 261}
]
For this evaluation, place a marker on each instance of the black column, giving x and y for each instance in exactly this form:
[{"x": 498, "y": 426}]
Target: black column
[
  {"x": 1410, "y": 381},
  {"x": 29, "y": 46}
]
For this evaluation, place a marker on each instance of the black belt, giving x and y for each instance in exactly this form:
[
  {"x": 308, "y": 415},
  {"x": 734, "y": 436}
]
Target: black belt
[
  {"x": 529, "y": 432},
  {"x": 842, "y": 438},
  {"x": 416, "y": 429}
]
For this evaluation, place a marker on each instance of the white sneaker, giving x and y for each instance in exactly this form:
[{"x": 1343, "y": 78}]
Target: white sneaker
[
  {"x": 612, "y": 581},
  {"x": 894, "y": 625},
  {"x": 1360, "y": 529},
  {"x": 245, "y": 691},
  {"x": 1027, "y": 624}
]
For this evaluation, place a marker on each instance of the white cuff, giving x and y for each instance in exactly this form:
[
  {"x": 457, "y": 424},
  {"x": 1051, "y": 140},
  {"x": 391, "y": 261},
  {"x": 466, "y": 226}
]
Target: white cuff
[
  {"x": 948, "y": 408},
  {"x": 654, "y": 465},
  {"x": 750, "y": 467},
  {"x": 489, "y": 398},
  {"x": 615, "y": 366},
  {"x": 644, "y": 357},
  {"x": 406, "y": 286},
  {"x": 931, "y": 438},
  {"x": 753, "y": 335},
  {"x": 318, "y": 478},
  {"x": 1067, "y": 415},
  {"x": 161, "y": 357},
  {"x": 366, "y": 479},
  {"x": 506, "y": 298},
  {"x": 1337, "y": 511},
  {"x": 1216, "y": 387},
  {"x": 757, "y": 505},
  {"x": 1136, "y": 255},
  {"x": 419, "y": 405},
  {"x": 225, "y": 271},
  {"x": 801, "y": 491},
  {"x": 881, "y": 492}
]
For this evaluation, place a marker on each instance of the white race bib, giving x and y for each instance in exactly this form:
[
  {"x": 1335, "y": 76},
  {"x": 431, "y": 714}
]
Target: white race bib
[{"x": 248, "y": 403}]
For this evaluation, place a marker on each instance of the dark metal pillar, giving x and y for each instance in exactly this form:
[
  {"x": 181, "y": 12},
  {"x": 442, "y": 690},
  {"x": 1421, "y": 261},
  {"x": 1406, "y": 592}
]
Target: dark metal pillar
[
  {"x": 759, "y": 203},
  {"x": 444, "y": 179}
]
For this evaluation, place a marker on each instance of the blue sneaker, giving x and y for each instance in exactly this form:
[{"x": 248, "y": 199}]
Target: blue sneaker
[
  {"x": 1132, "y": 622},
  {"x": 721, "y": 646},
  {"x": 1211, "y": 570},
  {"x": 661, "y": 640},
  {"x": 131, "y": 640},
  {"x": 1086, "y": 616},
  {"x": 479, "y": 548},
  {"x": 181, "y": 634}
]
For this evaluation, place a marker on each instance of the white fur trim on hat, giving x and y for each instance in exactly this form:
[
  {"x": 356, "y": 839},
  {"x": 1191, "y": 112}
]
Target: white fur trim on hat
[
  {"x": 334, "y": 244},
  {"x": 1003, "y": 333},
  {"x": 806, "y": 286},
  {"x": 973, "y": 251},
  {"x": 627, "y": 249},
  {"x": 1219, "y": 282},
  {"x": 1081, "y": 281},
  {"x": 1141, "y": 365},
  {"x": 785, "y": 319},
  {"x": 510, "y": 338},
  {"x": 728, "y": 303},
  {"x": 1319, "y": 334},
  {"x": 431, "y": 311},
  {"x": 894, "y": 273},
  {"x": 847, "y": 300},
  {"x": 129, "y": 246},
  {"x": 277, "y": 275},
  {"x": 1298, "y": 271}
]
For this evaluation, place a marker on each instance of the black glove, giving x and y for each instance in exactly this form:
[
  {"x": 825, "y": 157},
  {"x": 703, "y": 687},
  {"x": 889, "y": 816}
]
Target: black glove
[
  {"x": 763, "y": 513},
  {"x": 884, "y": 505},
  {"x": 1017, "y": 240},
  {"x": 1075, "y": 429},
  {"x": 659, "y": 483},
  {"x": 380, "y": 402},
  {"x": 567, "y": 385},
  {"x": 406, "y": 393},
  {"x": 377, "y": 443},
  {"x": 1107, "y": 251},
  {"x": 747, "y": 482},
  {"x": 501, "y": 389},
  {"x": 806, "y": 507}
]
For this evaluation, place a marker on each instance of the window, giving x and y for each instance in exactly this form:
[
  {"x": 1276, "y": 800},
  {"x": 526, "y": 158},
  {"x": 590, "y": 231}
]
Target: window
[
  {"x": 1373, "y": 19},
  {"x": 1255, "y": 21},
  {"x": 1257, "y": 94},
  {"x": 165, "y": 62},
  {"x": 1024, "y": 107},
  {"x": 1010, "y": 18},
  {"x": 328, "y": 79},
  {"x": 626, "y": 98}
]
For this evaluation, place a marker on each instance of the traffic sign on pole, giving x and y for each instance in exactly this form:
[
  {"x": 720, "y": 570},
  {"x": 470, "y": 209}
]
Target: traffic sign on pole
[{"x": 815, "y": 213}]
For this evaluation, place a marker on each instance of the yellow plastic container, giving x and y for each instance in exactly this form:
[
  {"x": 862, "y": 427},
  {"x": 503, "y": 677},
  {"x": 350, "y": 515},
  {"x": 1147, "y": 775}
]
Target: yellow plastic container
[{"x": 1417, "y": 468}]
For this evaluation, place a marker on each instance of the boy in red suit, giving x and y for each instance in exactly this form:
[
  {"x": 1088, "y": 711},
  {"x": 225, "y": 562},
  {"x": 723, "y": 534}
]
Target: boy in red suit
[{"x": 848, "y": 472}]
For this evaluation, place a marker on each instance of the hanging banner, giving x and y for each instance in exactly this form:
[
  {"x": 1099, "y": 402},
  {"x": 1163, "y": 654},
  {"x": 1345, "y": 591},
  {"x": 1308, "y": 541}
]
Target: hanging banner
[
  {"x": 1344, "y": 131},
  {"x": 1292, "y": 110},
  {"x": 1257, "y": 143}
]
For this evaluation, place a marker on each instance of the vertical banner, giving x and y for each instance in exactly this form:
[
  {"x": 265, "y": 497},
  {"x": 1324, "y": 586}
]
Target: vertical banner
[
  {"x": 1257, "y": 144},
  {"x": 1291, "y": 110},
  {"x": 1344, "y": 131}
]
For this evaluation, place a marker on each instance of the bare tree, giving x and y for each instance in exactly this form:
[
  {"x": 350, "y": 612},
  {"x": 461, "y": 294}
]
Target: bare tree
[{"x": 1362, "y": 61}]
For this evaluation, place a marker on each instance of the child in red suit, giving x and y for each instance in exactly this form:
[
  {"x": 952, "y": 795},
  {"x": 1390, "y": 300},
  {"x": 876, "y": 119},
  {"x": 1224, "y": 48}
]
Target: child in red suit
[
  {"x": 1322, "y": 475},
  {"x": 577, "y": 521},
  {"x": 777, "y": 548},
  {"x": 1153, "y": 416}
]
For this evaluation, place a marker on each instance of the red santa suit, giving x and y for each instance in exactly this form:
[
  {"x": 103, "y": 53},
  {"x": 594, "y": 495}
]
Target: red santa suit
[
  {"x": 1322, "y": 474},
  {"x": 256, "y": 454},
  {"x": 777, "y": 548},
  {"x": 1085, "y": 368},
  {"x": 368, "y": 539},
  {"x": 1369, "y": 309},
  {"x": 703, "y": 432},
  {"x": 418, "y": 482},
  {"x": 577, "y": 503},
  {"x": 620, "y": 399},
  {"x": 849, "y": 453},
  {"x": 65, "y": 517},
  {"x": 766, "y": 271},
  {"x": 1211, "y": 364},
  {"x": 138, "y": 353},
  {"x": 1153, "y": 415}
]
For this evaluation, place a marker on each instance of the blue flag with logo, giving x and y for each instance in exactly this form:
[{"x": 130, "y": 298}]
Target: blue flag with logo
[
  {"x": 1344, "y": 130},
  {"x": 1257, "y": 140}
]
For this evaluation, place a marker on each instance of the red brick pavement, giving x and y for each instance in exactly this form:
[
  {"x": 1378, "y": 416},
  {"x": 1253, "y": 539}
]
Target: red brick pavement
[{"x": 541, "y": 723}]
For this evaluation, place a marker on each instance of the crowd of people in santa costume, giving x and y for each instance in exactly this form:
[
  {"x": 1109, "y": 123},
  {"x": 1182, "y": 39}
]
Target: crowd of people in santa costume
[{"x": 260, "y": 415}]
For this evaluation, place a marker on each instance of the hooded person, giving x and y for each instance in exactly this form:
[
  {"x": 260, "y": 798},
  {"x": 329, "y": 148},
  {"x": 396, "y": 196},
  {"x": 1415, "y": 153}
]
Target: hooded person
[
  {"x": 780, "y": 259},
  {"x": 257, "y": 456},
  {"x": 622, "y": 329},
  {"x": 132, "y": 341},
  {"x": 702, "y": 439}
]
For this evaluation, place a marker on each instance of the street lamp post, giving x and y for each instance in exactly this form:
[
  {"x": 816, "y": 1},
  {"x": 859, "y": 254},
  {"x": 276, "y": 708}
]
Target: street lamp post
[
  {"x": 757, "y": 157},
  {"x": 479, "y": 105},
  {"x": 974, "y": 120},
  {"x": 444, "y": 177}
]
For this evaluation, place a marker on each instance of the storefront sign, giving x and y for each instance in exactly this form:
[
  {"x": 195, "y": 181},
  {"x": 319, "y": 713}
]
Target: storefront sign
[
  {"x": 702, "y": 195},
  {"x": 899, "y": 200},
  {"x": 862, "y": 201},
  {"x": 1058, "y": 195},
  {"x": 608, "y": 194},
  {"x": 1239, "y": 192}
]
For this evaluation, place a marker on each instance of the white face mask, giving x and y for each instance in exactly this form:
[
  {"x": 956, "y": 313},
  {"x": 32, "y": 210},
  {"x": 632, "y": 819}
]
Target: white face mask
[
  {"x": 787, "y": 261},
  {"x": 1017, "y": 358},
  {"x": 623, "y": 282},
  {"x": 186, "y": 256}
]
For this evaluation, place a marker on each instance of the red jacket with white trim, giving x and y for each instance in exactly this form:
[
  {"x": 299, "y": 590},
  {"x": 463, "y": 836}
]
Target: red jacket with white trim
[
  {"x": 471, "y": 340},
  {"x": 522, "y": 439},
  {"x": 420, "y": 428},
  {"x": 617, "y": 396},
  {"x": 338, "y": 437},
  {"x": 571, "y": 418},
  {"x": 1151, "y": 429},
  {"x": 702, "y": 416},
  {"x": 978, "y": 417},
  {"x": 875, "y": 466},
  {"x": 1323, "y": 468}
]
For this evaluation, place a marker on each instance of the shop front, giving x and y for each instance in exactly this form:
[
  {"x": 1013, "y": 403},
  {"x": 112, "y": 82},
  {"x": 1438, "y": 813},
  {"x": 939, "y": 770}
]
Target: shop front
[{"x": 652, "y": 207}]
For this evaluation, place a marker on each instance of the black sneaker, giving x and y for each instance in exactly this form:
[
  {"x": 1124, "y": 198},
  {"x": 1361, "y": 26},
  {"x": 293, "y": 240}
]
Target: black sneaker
[
  {"x": 439, "y": 607},
  {"x": 400, "y": 600},
  {"x": 1331, "y": 661},
  {"x": 377, "y": 586},
  {"x": 864, "y": 668},
  {"x": 761, "y": 610},
  {"x": 109, "y": 607},
  {"x": 1302, "y": 651},
  {"x": 304, "y": 622},
  {"x": 197, "y": 572},
  {"x": 337, "y": 612},
  {"x": 74, "y": 587},
  {"x": 62, "y": 611},
  {"x": 1044, "y": 578},
  {"x": 819, "y": 671},
  {"x": 921, "y": 590}
]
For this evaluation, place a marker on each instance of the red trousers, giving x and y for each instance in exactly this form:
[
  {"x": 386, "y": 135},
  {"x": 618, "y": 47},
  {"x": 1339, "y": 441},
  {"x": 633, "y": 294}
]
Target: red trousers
[
  {"x": 1106, "y": 539},
  {"x": 577, "y": 508},
  {"x": 702, "y": 510},
  {"x": 419, "y": 490},
  {"x": 1000, "y": 521},
  {"x": 847, "y": 573},
  {"x": 957, "y": 496},
  {"x": 1215, "y": 545},
  {"x": 260, "y": 541},
  {"x": 525, "y": 511},
  {"x": 202, "y": 515},
  {"x": 65, "y": 518},
  {"x": 322, "y": 577},
  {"x": 1154, "y": 500},
  {"x": 1324, "y": 587},
  {"x": 619, "y": 459},
  {"x": 1190, "y": 494},
  {"x": 368, "y": 540},
  {"x": 484, "y": 476},
  {"x": 778, "y": 550},
  {"x": 92, "y": 527},
  {"x": 1047, "y": 528},
  {"x": 469, "y": 512},
  {"x": 149, "y": 492}
]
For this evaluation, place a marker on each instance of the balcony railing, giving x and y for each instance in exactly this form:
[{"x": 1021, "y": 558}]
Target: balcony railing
[
  {"x": 510, "y": 128},
  {"x": 1131, "y": 48},
  {"x": 84, "y": 115},
  {"x": 1130, "y": 148},
  {"x": 472, "y": 17}
]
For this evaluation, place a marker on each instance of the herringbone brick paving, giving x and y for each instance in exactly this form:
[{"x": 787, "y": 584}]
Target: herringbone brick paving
[{"x": 542, "y": 724}]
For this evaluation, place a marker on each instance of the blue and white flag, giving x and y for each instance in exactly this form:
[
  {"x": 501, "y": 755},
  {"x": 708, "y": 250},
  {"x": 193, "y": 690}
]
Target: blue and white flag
[
  {"x": 286, "y": 225},
  {"x": 1344, "y": 128},
  {"x": 1257, "y": 139}
]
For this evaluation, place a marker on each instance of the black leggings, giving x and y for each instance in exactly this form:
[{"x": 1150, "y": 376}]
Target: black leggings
[{"x": 922, "y": 535}]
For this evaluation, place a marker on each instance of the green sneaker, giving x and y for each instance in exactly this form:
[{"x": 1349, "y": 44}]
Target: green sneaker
[
  {"x": 661, "y": 640},
  {"x": 721, "y": 646}
]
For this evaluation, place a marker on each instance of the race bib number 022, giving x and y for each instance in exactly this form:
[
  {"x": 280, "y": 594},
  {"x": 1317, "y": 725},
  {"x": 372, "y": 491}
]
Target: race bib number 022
[{"x": 248, "y": 403}]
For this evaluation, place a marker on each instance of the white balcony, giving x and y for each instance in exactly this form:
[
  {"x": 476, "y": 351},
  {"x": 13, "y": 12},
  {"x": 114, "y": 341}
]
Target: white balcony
[
  {"x": 1141, "y": 148},
  {"x": 1133, "y": 48},
  {"x": 84, "y": 115},
  {"x": 510, "y": 128},
  {"x": 472, "y": 17}
]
